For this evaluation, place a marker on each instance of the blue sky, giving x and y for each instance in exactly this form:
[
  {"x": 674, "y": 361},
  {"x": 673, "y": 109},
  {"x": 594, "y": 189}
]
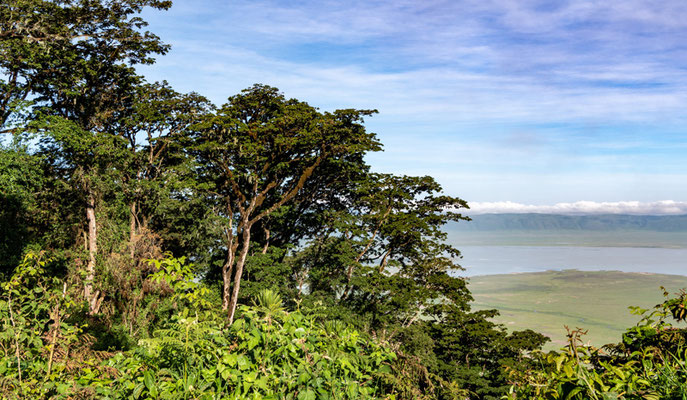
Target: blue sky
[{"x": 530, "y": 102}]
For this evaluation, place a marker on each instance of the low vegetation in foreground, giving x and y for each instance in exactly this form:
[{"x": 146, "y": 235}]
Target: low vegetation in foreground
[
  {"x": 648, "y": 364},
  {"x": 54, "y": 349}
]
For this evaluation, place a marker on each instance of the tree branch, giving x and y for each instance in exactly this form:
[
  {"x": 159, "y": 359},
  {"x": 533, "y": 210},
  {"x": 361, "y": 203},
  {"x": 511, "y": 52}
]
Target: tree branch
[{"x": 292, "y": 193}]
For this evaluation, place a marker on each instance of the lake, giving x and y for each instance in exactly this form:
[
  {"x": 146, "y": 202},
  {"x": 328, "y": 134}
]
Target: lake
[{"x": 490, "y": 260}]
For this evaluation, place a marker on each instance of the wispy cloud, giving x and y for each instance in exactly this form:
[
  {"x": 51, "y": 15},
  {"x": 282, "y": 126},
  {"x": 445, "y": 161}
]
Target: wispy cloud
[
  {"x": 586, "y": 97},
  {"x": 665, "y": 207},
  {"x": 515, "y": 61}
]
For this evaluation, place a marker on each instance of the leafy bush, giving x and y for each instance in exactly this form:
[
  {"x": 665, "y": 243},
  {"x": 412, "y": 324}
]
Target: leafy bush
[
  {"x": 35, "y": 339},
  {"x": 648, "y": 365},
  {"x": 267, "y": 353}
]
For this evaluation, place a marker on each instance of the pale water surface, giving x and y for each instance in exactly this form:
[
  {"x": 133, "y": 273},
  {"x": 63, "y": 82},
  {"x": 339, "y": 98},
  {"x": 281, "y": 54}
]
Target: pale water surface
[{"x": 489, "y": 260}]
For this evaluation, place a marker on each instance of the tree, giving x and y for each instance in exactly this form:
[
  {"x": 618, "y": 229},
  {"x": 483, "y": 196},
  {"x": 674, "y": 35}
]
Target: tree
[
  {"x": 120, "y": 170},
  {"x": 66, "y": 52},
  {"x": 21, "y": 180},
  {"x": 74, "y": 60},
  {"x": 158, "y": 166},
  {"x": 260, "y": 150},
  {"x": 384, "y": 259}
]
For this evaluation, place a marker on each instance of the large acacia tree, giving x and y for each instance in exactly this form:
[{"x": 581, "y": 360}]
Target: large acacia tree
[{"x": 259, "y": 151}]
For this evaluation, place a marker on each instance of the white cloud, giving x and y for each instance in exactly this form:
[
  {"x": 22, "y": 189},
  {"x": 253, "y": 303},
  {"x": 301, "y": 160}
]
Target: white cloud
[
  {"x": 498, "y": 99},
  {"x": 431, "y": 93},
  {"x": 664, "y": 207},
  {"x": 438, "y": 60}
]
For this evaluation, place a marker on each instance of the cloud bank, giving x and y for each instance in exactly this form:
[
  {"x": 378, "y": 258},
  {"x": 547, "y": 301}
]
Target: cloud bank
[{"x": 664, "y": 207}]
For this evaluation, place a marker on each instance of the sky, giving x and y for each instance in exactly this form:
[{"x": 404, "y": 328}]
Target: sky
[{"x": 520, "y": 103}]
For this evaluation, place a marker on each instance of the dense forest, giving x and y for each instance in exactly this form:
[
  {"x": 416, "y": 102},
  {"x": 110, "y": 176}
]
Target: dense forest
[{"x": 156, "y": 245}]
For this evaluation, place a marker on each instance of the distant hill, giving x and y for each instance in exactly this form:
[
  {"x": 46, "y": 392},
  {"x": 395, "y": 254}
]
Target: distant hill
[{"x": 553, "y": 222}]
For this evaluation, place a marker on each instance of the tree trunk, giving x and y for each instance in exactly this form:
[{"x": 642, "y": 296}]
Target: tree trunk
[
  {"x": 245, "y": 246},
  {"x": 91, "y": 297},
  {"x": 132, "y": 229},
  {"x": 227, "y": 268},
  {"x": 267, "y": 241}
]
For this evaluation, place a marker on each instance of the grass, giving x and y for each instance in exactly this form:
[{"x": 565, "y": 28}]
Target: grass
[{"x": 548, "y": 301}]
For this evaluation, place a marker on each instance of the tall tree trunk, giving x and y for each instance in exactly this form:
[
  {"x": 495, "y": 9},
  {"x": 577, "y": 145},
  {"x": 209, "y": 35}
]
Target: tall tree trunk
[
  {"x": 227, "y": 268},
  {"x": 267, "y": 241},
  {"x": 245, "y": 246},
  {"x": 132, "y": 229},
  {"x": 91, "y": 297}
]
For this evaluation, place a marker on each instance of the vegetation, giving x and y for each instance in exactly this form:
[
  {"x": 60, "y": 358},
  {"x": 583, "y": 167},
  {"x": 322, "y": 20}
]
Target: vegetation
[
  {"x": 648, "y": 364},
  {"x": 268, "y": 353},
  {"x": 155, "y": 245}
]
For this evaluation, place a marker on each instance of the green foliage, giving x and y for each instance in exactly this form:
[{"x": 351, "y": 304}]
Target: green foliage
[
  {"x": 33, "y": 333},
  {"x": 256, "y": 154},
  {"x": 648, "y": 365},
  {"x": 21, "y": 178},
  {"x": 73, "y": 56},
  {"x": 383, "y": 257},
  {"x": 179, "y": 277},
  {"x": 382, "y": 264},
  {"x": 267, "y": 353}
]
